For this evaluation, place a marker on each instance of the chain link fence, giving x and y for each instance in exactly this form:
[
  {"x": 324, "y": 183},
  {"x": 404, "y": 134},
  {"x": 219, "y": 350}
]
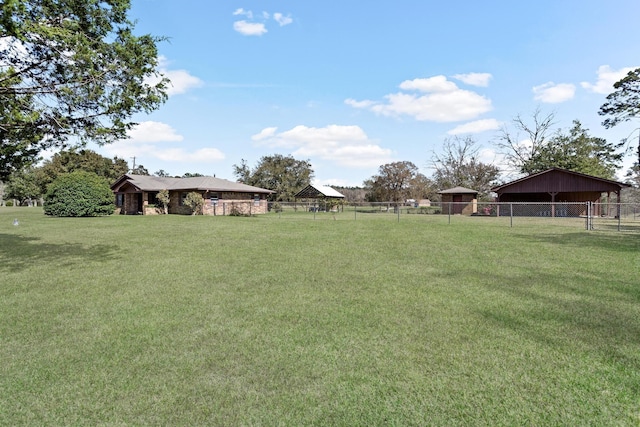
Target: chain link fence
[{"x": 579, "y": 215}]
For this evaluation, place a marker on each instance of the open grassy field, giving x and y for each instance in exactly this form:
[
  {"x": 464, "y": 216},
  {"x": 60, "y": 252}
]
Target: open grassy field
[{"x": 177, "y": 320}]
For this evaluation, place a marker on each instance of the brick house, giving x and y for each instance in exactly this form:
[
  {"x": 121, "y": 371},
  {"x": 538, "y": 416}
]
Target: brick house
[{"x": 137, "y": 194}]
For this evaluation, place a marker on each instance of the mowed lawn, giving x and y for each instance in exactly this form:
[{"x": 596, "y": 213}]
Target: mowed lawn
[{"x": 178, "y": 320}]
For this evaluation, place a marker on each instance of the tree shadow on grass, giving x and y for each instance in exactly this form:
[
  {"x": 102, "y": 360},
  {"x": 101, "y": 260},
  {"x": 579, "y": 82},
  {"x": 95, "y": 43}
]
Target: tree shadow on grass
[
  {"x": 567, "y": 313},
  {"x": 18, "y": 253},
  {"x": 620, "y": 242}
]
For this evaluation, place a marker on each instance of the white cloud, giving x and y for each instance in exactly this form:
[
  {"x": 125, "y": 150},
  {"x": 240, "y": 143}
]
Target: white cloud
[
  {"x": 180, "y": 80},
  {"x": 151, "y": 151},
  {"x": 249, "y": 28},
  {"x": 476, "y": 127},
  {"x": 431, "y": 84},
  {"x": 281, "y": 19},
  {"x": 552, "y": 93},
  {"x": 444, "y": 101},
  {"x": 242, "y": 12},
  {"x": 256, "y": 25},
  {"x": 606, "y": 78},
  {"x": 490, "y": 156},
  {"x": 264, "y": 134},
  {"x": 359, "y": 104},
  {"x": 344, "y": 145},
  {"x": 202, "y": 155},
  {"x": 474, "y": 79},
  {"x": 151, "y": 131},
  {"x": 146, "y": 140}
]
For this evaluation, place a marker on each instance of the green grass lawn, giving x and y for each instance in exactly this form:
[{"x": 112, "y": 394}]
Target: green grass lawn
[{"x": 179, "y": 320}]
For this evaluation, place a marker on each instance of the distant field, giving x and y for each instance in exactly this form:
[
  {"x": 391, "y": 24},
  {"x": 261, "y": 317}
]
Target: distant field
[{"x": 179, "y": 320}]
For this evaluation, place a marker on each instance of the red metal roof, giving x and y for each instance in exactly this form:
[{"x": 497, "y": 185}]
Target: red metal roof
[{"x": 556, "y": 180}]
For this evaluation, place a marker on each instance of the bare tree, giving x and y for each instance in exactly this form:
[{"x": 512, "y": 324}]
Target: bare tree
[
  {"x": 530, "y": 135},
  {"x": 459, "y": 165}
]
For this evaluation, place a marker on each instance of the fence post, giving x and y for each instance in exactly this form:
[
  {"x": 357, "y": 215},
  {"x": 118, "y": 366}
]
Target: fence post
[
  {"x": 589, "y": 224},
  {"x": 511, "y": 215},
  {"x": 450, "y": 208},
  {"x": 619, "y": 215}
]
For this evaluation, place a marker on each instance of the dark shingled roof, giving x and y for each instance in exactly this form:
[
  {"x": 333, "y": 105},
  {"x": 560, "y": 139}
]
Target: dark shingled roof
[{"x": 202, "y": 183}]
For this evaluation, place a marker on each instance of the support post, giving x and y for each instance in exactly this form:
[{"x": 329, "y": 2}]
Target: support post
[{"x": 511, "y": 214}]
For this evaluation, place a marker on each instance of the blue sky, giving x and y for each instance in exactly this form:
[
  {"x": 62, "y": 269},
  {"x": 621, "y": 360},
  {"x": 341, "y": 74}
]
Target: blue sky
[{"x": 354, "y": 85}]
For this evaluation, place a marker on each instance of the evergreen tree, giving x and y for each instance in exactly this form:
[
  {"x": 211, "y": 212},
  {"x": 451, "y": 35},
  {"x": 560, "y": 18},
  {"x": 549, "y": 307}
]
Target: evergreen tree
[{"x": 72, "y": 71}]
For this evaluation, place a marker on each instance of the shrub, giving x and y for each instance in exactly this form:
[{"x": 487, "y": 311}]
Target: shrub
[
  {"x": 277, "y": 207},
  {"x": 79, "y": 194},
  {"x": 236, "y": 211},
  {"x": 8, "y": 203},
  {"x": 195, "y": 202},
  {"x": 164, "y": 200}
]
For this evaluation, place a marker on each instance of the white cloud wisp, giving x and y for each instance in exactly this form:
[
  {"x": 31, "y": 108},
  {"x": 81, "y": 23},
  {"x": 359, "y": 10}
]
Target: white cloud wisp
[
  {"x": 606, "y": 78},
  {"x": 443, "y": 101},
  {"x": 146, "y": 139},
  {"x": 347, "y": 146},
  {"x": 476, "y": 126},
  {"x": 552, "y": 93},
  {"x": 254, "y": 25}
]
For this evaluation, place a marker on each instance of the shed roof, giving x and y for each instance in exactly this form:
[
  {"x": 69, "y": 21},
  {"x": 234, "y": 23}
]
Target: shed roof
[
  {"x": 458, "y": 190},
  {"x": 312, "y": 191},
  {"x": 202, "y": 183},
  {"x": 560, "y": 181}
]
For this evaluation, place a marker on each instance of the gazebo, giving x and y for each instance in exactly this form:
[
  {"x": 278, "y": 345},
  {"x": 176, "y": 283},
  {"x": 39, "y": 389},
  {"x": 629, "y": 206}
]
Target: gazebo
[{"x": 318, "y": 192}]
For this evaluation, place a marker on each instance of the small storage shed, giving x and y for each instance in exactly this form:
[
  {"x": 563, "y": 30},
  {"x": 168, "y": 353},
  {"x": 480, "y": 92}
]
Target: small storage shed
[
  {"x": 318, "y": 192},
  {"x": 557, "y": 185},
  {"x": 459, "y": 200}
]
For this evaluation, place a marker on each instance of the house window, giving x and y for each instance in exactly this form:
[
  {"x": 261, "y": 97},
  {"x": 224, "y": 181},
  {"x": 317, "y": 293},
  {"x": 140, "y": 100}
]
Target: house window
[
  {"x": 183, "y": 197},
  {"x": 256, "y": 200},
  {"x": 214, "y": 199},
  {"x": 119, "y": 199},
  {"x": 153, "y": 198}
]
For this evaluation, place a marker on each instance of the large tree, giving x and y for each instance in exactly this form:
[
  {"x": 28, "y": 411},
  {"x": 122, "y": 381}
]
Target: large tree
[
  {"x": 459, "y": 165},
  {"x": 283, "y": 174},
  {"x": 23, "y": 186},
  {"x": 79, "y": 160},
  {"x": 623, "y": 103},
  {"x": 71, "y": 71},
  {"x": 396, "y": 182},
  {"x": 576, "y": 150}
]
